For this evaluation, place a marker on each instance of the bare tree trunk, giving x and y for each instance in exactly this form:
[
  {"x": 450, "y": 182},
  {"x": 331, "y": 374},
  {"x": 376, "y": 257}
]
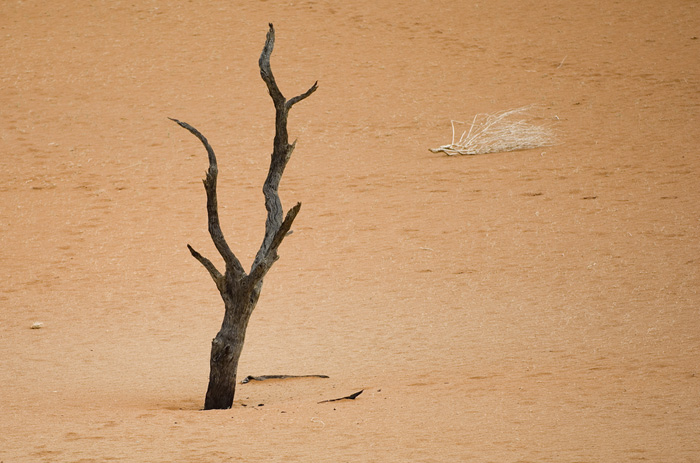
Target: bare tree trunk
[
  {"x": 226, "y": 350},
  {"x": 240, "y": 290}
]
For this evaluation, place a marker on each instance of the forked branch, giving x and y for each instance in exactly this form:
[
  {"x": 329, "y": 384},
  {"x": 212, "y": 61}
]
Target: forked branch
[
  {"x": 217, "y": 236},
  {"x": 281, "y": 154},
  {"x": 277, "y": 225}
]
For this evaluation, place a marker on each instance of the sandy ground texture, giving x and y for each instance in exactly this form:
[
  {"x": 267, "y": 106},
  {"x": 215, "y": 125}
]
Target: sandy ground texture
[{"x": 532, "y": 306}]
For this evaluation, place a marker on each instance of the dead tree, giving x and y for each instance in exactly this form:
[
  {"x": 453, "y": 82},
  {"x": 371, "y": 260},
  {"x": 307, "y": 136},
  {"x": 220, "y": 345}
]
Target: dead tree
[{"x": 240, "y": 290}]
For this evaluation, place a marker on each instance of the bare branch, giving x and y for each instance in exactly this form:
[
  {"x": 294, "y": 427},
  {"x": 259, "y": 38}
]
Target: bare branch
[
  {"x": 273, "y": 204},
  {"x": 266, "y": 70},
  {"x": 215, "y": 232},
  {"x": 205, "y": 142},
  {"x": 281, "y": 154},
  {"x": 285, "y": 227},
  {"x": 213, "y": 272},
  {"x": 304, "y": 95},
  {"x": 264, "y": 260}
]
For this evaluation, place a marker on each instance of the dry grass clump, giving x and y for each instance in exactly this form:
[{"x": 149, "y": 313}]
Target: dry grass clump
[{"x": 498, "y": 132}]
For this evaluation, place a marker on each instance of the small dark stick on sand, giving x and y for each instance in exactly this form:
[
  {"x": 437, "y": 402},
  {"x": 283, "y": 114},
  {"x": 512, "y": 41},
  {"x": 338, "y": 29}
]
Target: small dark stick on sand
[
  {"x": 248, "y": 379},
  {"x": 350, "y": 397}
]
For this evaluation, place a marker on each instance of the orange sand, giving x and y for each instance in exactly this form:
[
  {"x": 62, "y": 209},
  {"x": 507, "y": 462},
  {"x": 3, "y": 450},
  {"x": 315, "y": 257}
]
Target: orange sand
[{"x": 534, "y": 306}]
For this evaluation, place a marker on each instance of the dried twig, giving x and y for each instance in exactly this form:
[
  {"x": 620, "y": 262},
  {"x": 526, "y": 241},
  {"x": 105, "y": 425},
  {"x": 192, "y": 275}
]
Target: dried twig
[
  {"x": 250, "y": 378},
  {"x": 349, "y": 397},
  {"x": 498, "y": 132}
]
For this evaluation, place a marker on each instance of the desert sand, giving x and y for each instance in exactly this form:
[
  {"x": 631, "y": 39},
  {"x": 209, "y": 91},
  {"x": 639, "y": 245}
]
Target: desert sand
[{"x": 528, "y": 306}]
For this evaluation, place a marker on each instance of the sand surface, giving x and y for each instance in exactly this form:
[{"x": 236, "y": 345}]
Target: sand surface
[{"x": 532, "y": 306}]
